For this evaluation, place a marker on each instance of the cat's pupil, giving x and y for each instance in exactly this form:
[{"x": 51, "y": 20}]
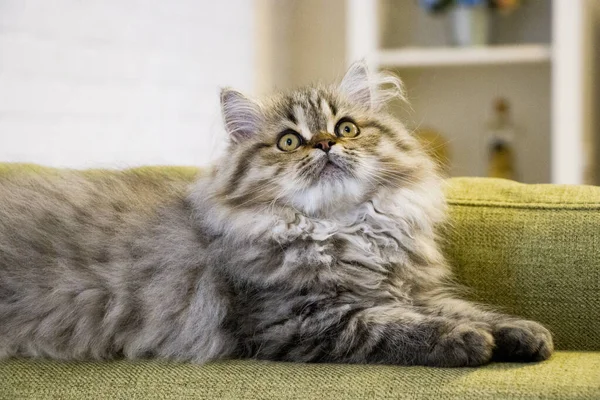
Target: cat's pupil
[
  {"x": 347, "y": 129},
  {"x": 288, "y": 142}
]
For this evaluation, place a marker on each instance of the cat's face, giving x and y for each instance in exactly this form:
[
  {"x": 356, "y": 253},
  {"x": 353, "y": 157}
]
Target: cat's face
[{"x": 318, "y": 149}]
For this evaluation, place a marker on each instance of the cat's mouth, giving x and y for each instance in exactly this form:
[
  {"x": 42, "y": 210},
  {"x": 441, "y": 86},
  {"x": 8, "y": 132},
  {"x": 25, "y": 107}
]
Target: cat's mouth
[
  {"x": 329, "y": 165},
  {"x": 331, "y": 170}
]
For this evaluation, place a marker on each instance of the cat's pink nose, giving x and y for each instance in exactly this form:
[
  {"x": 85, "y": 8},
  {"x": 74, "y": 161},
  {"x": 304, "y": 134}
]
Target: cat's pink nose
[{"x": 325, "y": 145}]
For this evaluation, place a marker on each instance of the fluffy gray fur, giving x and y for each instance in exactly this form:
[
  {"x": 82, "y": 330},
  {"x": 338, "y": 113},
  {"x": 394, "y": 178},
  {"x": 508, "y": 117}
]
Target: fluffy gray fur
[{"x": 304, "y": 255}]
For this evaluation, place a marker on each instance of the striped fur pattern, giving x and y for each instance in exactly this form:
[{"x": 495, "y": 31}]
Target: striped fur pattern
[{"x": 325, "y": 253}]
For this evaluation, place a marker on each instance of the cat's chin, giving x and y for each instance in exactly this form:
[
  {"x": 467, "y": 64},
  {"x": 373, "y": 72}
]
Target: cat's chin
[
  {"x": 331, "y": 171},
  {"x": 335, "y": 190}
]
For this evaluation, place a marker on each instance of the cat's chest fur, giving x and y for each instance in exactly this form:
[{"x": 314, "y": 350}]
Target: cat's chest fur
[{"x": 370, "y": 251}]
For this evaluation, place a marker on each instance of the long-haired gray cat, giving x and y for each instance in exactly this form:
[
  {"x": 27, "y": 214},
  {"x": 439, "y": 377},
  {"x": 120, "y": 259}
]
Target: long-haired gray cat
[{"x": 312, "y": 240}]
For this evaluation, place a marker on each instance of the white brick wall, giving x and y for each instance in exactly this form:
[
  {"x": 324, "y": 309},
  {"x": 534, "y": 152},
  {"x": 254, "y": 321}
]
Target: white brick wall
[{"x": 118, "y": 83}]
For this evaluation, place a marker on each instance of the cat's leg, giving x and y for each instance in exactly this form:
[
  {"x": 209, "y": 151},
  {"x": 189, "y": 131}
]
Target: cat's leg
[
  {"x": 382, "y": 334},
  {"x": 516, "y": 339}
]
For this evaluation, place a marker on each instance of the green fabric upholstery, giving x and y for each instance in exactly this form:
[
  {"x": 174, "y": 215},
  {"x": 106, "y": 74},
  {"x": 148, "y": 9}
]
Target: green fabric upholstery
[
  {"x": 567, "y": 375},
  {"x": 530, "y": 249},
  {"x": 534, "y": 250}
]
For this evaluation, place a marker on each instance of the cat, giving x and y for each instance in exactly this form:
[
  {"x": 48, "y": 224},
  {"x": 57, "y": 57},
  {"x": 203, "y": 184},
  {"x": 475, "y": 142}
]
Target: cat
[{"x": 312, "y": 240}]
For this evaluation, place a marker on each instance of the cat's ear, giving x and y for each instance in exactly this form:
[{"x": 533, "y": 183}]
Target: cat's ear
[
  {"x": 370, "y": 89},
  {"x": 356, "y": 85},
  {"x": 242, "y": 116}
]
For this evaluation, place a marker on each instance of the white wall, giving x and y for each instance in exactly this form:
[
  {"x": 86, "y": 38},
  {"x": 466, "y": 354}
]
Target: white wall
[
  {"x": 119, "y": 82},
  {"x": 302, "y": 42}
]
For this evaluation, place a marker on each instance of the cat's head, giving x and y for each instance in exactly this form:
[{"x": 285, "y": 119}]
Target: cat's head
[{"x": 318, "y": 149}]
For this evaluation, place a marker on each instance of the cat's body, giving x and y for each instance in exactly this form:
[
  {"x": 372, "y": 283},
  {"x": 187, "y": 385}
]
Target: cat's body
[{"x": 339, "y": 265}]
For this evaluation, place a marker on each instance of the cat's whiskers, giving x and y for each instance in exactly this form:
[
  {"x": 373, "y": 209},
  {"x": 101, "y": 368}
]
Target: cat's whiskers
[
  {"x": 386, "y": 180},
  {"x": 377, "y": 175},
  {"x": 274, "y": 202},
  {"x": 395, "y": 173}
]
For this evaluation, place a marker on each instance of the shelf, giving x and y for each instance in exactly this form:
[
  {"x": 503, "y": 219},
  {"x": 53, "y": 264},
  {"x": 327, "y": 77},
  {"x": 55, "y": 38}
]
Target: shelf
[{"x": 452, "y": 56}]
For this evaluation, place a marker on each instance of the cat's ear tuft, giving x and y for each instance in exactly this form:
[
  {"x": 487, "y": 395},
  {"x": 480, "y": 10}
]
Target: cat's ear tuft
[
  {"x": 356, "y": 85},
  {"x": 242, "y": 116},
  {"x": 370, "y": 89}
]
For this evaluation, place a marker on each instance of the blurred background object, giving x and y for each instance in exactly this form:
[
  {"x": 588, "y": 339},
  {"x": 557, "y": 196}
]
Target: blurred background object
[
  {"x": 501, "y": 142},
  {"x": 128, "y": 82}
]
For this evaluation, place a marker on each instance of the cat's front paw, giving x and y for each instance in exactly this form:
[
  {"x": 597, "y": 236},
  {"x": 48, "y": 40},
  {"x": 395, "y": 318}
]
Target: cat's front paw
[
  {"x": 465, "y": 345},
  {"x": 522, "y": 341}
]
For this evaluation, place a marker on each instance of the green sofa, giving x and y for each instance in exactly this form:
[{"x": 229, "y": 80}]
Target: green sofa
[{"x": 532, "y": 250}]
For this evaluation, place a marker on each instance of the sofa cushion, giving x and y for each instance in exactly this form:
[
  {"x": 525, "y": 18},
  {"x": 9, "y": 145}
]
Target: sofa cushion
[
  {"x": 533, "y": 250},
  {"x": 566, "y": 375}
]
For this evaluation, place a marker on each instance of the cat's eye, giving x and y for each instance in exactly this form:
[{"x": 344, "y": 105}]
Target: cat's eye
[
  {"x": 347, "y": 128},
  {"x": 289, "y": 141}
]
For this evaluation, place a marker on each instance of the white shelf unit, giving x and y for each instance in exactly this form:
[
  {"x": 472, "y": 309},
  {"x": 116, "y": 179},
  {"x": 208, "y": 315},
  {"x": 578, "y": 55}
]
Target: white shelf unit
[
  {"x": 446, "y": 56},
  {"x": 549, "y": 83}
]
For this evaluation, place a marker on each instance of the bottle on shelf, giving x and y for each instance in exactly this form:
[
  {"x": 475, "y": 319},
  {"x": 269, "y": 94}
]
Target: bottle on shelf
[{"x": 501, "y": 143}]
